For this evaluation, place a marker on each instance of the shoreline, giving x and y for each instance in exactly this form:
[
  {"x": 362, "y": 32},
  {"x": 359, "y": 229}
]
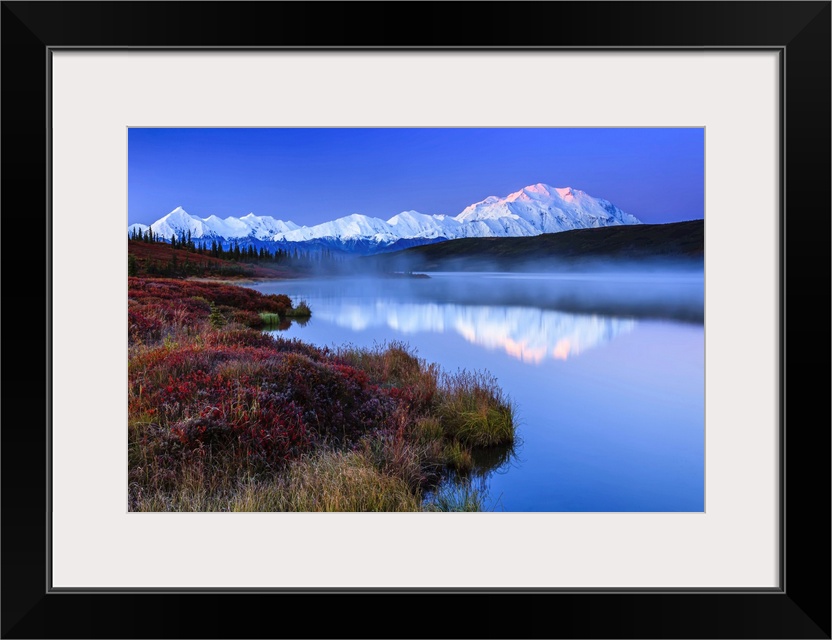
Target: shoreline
[{"x": 223, "y": 416}]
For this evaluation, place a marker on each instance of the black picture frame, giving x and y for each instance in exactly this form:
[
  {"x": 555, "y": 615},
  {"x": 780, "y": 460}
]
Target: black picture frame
[{"x": 799, "y": 608}]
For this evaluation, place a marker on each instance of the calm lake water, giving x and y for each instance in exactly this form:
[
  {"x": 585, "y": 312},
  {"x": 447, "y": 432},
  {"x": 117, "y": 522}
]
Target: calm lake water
[{"x": 606, "y": 371}]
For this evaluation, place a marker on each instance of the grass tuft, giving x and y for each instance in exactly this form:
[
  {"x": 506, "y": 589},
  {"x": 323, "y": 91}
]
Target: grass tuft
[
  {"x": 301, "y": 310},
  {"x": 329, "y": 481},
  {"x": 474, "y": 410},
  {"x": 457, "y": 496},
  {"x": 270, "y": 319}
]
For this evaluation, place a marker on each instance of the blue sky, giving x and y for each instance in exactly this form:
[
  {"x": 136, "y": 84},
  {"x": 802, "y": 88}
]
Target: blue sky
[{"x": 315, "y": 175}]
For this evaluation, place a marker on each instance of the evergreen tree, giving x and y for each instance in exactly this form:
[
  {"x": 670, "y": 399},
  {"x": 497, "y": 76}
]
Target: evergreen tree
[{"x": 216, "y": 318}]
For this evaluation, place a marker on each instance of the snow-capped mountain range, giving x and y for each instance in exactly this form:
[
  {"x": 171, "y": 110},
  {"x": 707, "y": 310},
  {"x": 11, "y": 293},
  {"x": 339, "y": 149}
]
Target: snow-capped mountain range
[{"x": 533, "y": 210}]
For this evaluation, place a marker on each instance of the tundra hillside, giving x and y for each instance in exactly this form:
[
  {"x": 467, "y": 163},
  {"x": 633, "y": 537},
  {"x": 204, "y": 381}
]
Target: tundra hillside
[
  {"x": 648, "y": 245},
  {"x": 225, "y": 417}
]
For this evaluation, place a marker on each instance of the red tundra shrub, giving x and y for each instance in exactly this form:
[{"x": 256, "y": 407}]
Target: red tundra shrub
[
  {"x": 243, "y": 388},
  {"x": 183, "y": 302},
  {"x": 141, "y": 328}
]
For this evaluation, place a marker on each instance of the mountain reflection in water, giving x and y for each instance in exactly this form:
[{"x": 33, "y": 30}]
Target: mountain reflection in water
[
  {"x": 606, "y": 371},
  {"x": 527, "y": 334}
]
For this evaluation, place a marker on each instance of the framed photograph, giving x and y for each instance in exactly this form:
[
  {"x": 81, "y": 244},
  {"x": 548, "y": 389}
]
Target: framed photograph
[{"x": 110, "y": 108}]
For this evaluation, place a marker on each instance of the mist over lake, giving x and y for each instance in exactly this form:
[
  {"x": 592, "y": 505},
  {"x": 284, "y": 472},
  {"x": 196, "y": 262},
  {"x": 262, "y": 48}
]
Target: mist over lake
[
  {"x": 412, "y": 319},
  {"x": 606, "y": 369}
]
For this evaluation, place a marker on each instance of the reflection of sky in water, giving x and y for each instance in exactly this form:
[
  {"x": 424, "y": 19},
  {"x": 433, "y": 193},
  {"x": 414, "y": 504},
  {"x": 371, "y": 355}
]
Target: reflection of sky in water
[
  {"x": 527, "y": 334},
  {"x": 619, "y": 428}
]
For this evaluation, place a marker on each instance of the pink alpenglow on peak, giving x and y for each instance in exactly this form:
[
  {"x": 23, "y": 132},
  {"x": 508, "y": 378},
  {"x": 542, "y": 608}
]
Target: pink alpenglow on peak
[
  {"x": 533, "y": 210},
  {"x": 540, "y": 208}
]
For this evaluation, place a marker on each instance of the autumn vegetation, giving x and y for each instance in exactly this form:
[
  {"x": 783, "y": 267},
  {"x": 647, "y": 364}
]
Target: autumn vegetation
[{"x": 226, "y": 417}]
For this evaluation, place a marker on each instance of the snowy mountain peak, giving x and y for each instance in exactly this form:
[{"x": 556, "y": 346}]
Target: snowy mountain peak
[
  {"x": 535, "y": 209},
  {"x": 544, "y": 189},
  {"x": 408, "y": 213},
  {"x": 177, "y": 213},
  {"x": 409, "y": 217}
]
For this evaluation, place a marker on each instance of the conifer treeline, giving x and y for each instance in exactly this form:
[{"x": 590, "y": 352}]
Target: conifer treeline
[{"x": 237, "y": 253}]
